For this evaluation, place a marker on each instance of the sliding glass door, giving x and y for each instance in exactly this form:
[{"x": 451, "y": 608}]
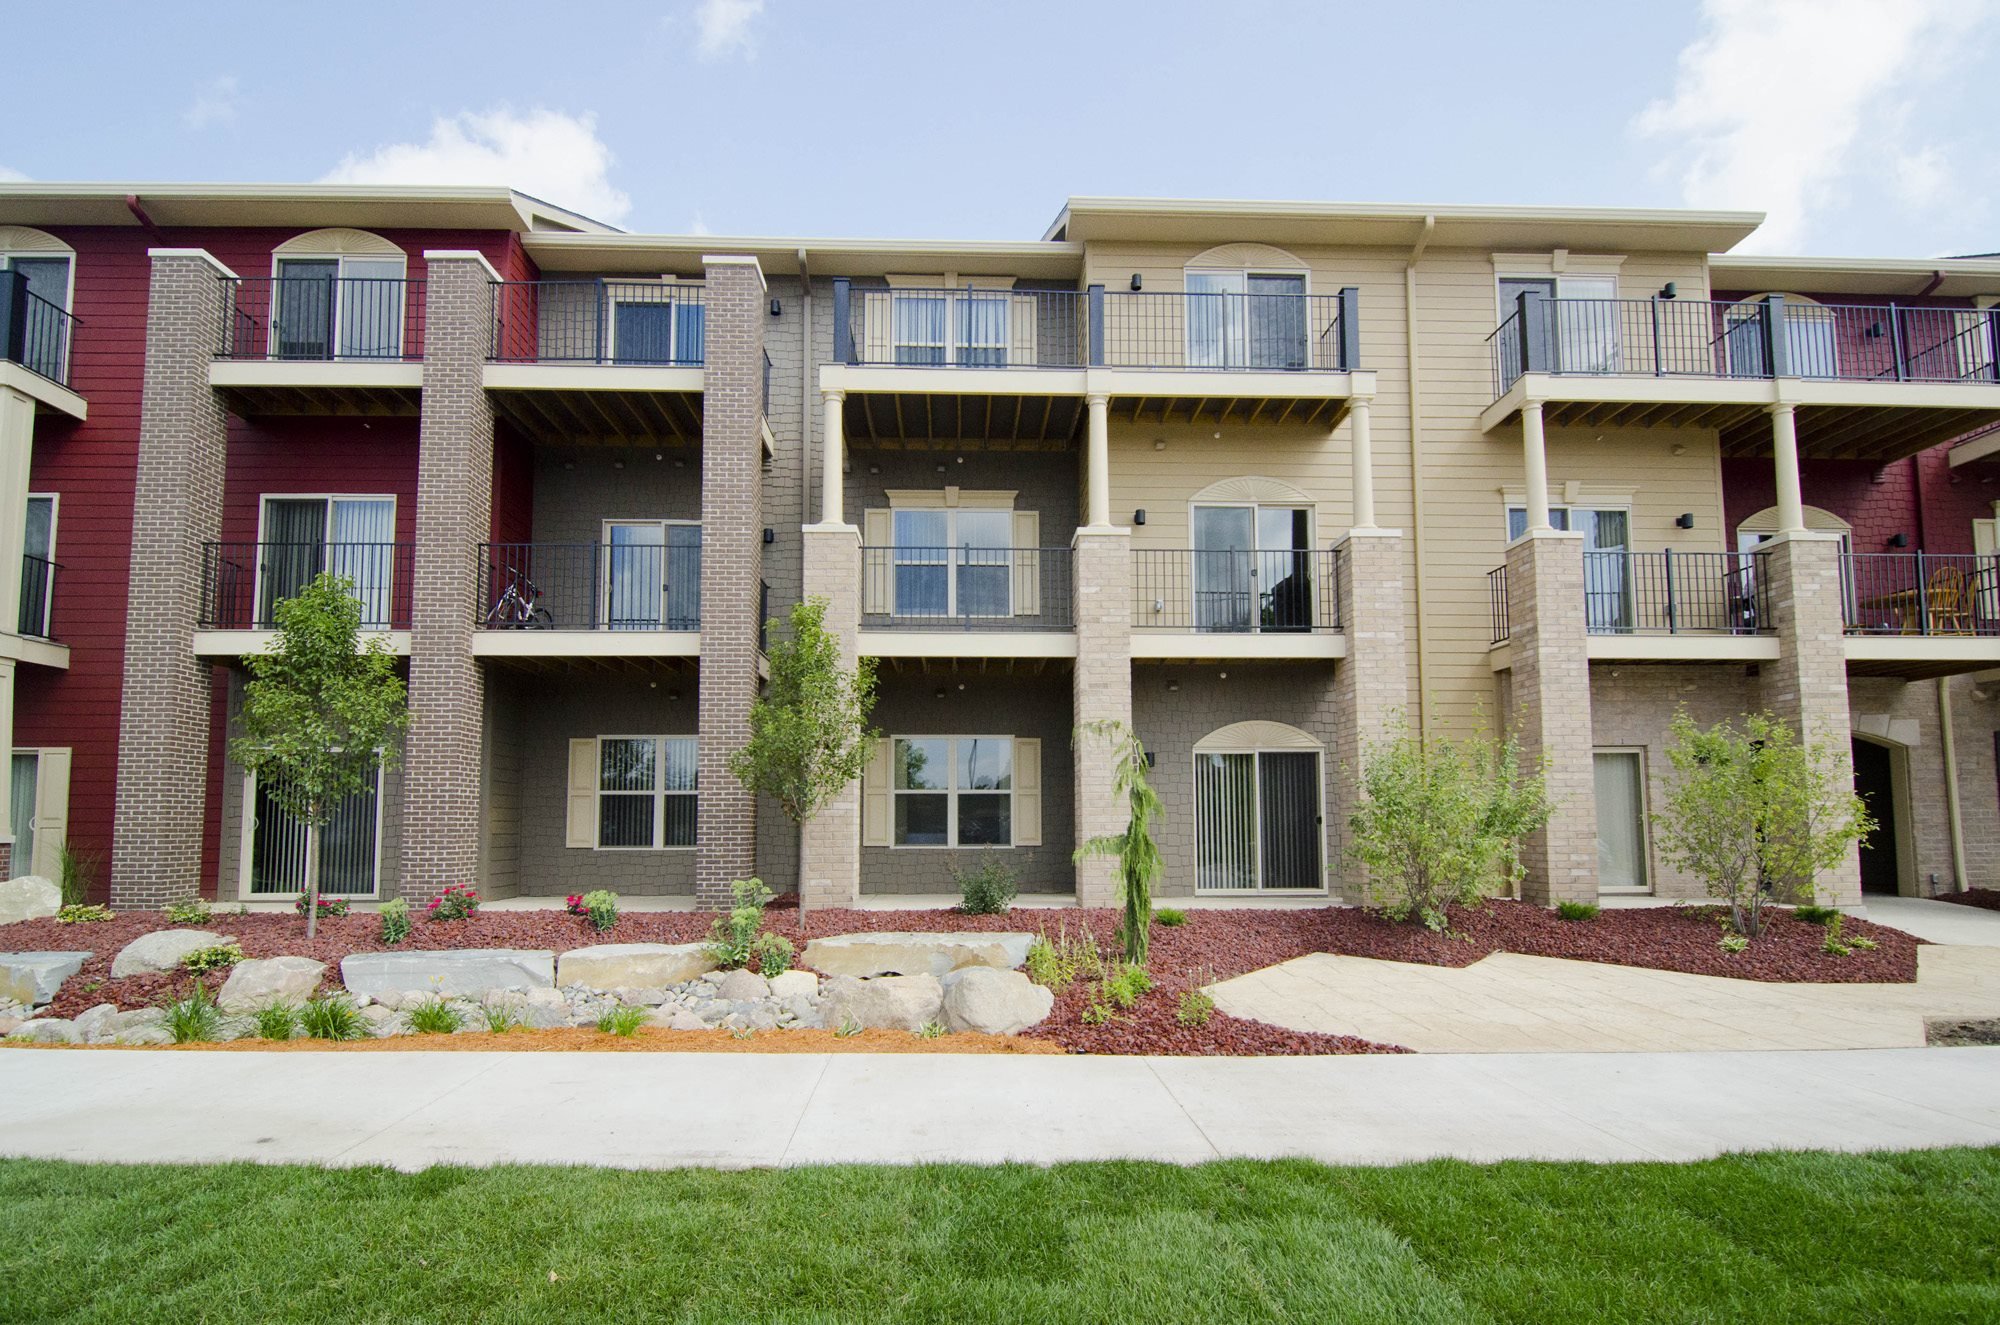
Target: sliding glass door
[
  {"x": 1257, "y": 821},
  {"x": 348, "y": 854},
  {"x": 1253, "y": 568},
  {"x": 353, "y": 537}
]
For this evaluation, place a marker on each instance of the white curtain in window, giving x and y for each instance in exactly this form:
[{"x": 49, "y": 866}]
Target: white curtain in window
[
  {"x": 1225, "y": 801},
  {"x": 361, "y": 545},
  {"x": 1621, "y": 837}
]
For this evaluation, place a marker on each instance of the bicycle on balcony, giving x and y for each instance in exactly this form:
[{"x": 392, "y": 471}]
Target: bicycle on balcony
[{"x": 520, "y": 607}]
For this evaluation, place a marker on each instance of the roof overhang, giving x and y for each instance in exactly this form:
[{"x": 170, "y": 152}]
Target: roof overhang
[
  {"x": 372, "y": 207},
  {"x": 681, "y": 255},
  {"x": 1886, "y": 277}
]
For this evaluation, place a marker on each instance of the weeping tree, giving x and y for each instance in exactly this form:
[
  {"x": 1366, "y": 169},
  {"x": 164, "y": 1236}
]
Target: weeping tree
[
  {"x": 322, "y": 711},
  {"x": 1137, "y": 855}
]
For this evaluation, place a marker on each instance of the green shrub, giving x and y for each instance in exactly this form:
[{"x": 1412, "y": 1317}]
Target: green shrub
[
  {"x": 600, "y": 908},
  {"x": 434, "y": 1016},
  {"x": 1125, "y": 986},
  {"x": 988, "y": 890},
  {"x": 500, "y": 1018},
  {"x": 848, "y": 1027},
  {"x": 80, "y": 914},
  {"x": 732, "y": 939},
  {"x": 194, "y": 1019},
  {"x": 771, "y": 954},
  {"x": 1862, "y": 943},
  {"x": 1816, "y": 915},
  {"x": 76, "y": 874},
  {"x": 1734, "y": 943},
  {"x": 220, "y": 957},
  {"x": 1194, "y": 1008},
  {"x": 1576, "y": 910},
  {"x": 458, "y": 902},
  {"x": 188, "y": 911},
  {"x": 1170, "y": 917},
  {"x": 1097, "y": 1011},
  {"x": 332, "y": 1017},
  {"x": 1059, "y": 964},
  {"x": 328, "y": 906},
  {"x": 279, "y": 1021},
  {"x": 933, "y": 1030},
  {"x": 395, "y": 921},
  {"x": 622, "y": 1020}
]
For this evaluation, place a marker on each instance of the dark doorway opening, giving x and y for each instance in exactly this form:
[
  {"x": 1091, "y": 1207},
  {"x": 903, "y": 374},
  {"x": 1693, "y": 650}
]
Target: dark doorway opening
[{"x": 1875, "y": 783}]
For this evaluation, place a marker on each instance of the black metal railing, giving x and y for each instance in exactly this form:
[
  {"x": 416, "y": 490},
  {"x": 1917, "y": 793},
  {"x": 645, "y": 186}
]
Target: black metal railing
[
  {"x": 1496, "y": 603},
  {"x": 967, "y": 588},
  {"x": 33, "y": 332},
  {"x": 962, "y": 327},
  {"x": 763, "y": 616},
  {"x": 590, "y": 586},
  {"x": 1920, "y": 593},
  {"x": 38, "y": 596},
  {"x": 243, "y": 583},
  {"x": 1281, "y": 591},
  {"x": 323, "y": 319},
  {"x": 646, "y": 323},
  {"x": 1761, "y": 338},
  {"x": 1241, "y": 332},
  {"x": 1676, "y": 593}
]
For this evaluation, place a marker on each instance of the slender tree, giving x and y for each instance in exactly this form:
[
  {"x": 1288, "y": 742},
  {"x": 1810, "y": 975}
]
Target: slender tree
[
  {"x": 323, "y": 710},
  {"x": 1138, "y": 856}
]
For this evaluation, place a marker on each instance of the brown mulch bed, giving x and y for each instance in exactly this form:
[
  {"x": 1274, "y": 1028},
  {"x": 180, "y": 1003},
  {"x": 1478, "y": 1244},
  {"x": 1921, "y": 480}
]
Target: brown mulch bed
[
  {"x": 1988, "y": 898},
  {"x": 649, "y": 1039}
]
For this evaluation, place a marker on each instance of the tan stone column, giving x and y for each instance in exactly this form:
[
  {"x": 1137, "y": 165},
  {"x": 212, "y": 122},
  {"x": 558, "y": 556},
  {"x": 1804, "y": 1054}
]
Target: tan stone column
[
  {"x": 1103, "y": 691},
  {"x": 830, "y": 842},
  {"x": 732, "y": 565},
  {"x": 163, "y": 723},
  {"x": 443, "y": 811},
  {"x": 1551, "y": 707},
  {"x": 1371, "y": 684},
  {"x": 1807, "y": 685}
]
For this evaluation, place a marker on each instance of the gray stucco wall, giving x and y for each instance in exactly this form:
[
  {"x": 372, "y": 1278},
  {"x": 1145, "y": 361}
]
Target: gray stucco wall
[{"x": 1043, "y": 481}]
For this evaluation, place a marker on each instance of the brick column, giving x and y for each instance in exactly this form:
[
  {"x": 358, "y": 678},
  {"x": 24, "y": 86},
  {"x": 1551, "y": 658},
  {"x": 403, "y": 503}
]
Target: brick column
[
  {"x": 1807, "y": 685},
  {"x": 176, "y": 507},
  {"x": 1551, "y": 709},
  {"x": 1103, "y": 690},
  {"x": 1371, "y": 684},
  {"x": 732, "y": 559},
  {"x": 442, "y": 805},
  {"x": 830, "y": 844}
]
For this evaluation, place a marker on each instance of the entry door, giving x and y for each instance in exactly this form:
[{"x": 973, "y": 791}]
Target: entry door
[
  {"x": 302, "y": 309},
  {"x": 1257, "y": 821},
  {"x": 652, "y": 575},
  {"x": 1607, "y": 587},
  {"x": 1875, "y": 783},
  {"x": 1225, "y": 554},
  {"x": 1621, "y": 820},
  {"x": 348, "y": 854},
  {"x": 353, "y": 537},
  {"x": 1284, "y": 568}
]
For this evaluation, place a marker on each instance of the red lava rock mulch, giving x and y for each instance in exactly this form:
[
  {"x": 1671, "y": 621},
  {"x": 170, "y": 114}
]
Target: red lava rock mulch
[{"x": 1984, "y": 897}]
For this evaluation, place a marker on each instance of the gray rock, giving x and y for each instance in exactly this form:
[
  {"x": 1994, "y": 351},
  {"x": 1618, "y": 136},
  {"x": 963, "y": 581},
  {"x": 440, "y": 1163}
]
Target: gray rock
[
  {"x": 97, "y": 1023},
  {"x": 8, "y": 1025},
  {"x": 992, "y": 1002},
  {"x": 162, "y": 950},
  {"x": 235, "y": 1028},
  {"x": 677, "y": 1019},
  {"x": 546, "y": 998},
  {"x": 461, "y": 972},
  {"x": 793, "y": 983},
  {"x": 544, "y": 1016},
  {"x": 29, "y": 897},
  {"x": 644, "y": 998},
  {"x": 33, "y": 978},
  {"x": 46, "y": 1030},
  {"x": 255, "y": 985},
  {"x": 897, "y": 1002},
  {"x": 894, "y": 953},
  {"x": 742, "y": 986},
  {"x": 713, "y": 1012},
  {"x": 140, "y": 1019},
  {"x": 803, "y": 1013},
  {"x": 633, "y": 965},
  {"x": 143, "y": 1035}
]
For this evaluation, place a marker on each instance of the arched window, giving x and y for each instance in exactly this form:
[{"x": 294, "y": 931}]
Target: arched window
[
  {"x": 50, "y": 268},
  {"x": 337, "y": 294},
  {"x": 1259, "y": 810}
]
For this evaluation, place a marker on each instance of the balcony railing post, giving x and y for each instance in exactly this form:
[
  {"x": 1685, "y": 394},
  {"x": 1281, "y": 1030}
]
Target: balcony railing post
[
  {"x": 1777, "y": 345},
  {"x": 1350, "y": 329},
  {"x": 1896, "y": 341},
  {"x": 1534, "y": 310},
  {"x": 843, "y": 327},
  {"x": 1923, "y": 597},
  {"x": 14, "y": 315},
  {"x": 1673, "y": 616},
  {"x": 1096, "y": 326},
  {"x": 1657, "y": 365}
]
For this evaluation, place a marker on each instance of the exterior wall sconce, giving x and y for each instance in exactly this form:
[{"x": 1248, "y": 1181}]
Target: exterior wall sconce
[
  {"x": 1899, "y": 540},
  {"x": 1685, "y": 520},
  {"x": 770, "y": 535},
  {"x": 1136, "y": 282},
  {"x": 1139, "y": 516},
  {"x": 777, "y": 308},
  {"x": 1667, "y": 291}
]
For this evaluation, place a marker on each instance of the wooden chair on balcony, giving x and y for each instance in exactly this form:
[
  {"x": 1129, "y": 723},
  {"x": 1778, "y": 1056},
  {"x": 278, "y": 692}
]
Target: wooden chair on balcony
[{"x": 1947, "y": 605}]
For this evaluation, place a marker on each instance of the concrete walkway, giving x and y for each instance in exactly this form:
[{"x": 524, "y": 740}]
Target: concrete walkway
[
  {"x": 630, "y": 1110},
  {"x": 1934, "y": 921}
]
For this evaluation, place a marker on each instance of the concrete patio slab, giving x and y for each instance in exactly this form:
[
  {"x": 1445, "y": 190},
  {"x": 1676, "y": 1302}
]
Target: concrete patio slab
[{"x": 1936, "y": 922}]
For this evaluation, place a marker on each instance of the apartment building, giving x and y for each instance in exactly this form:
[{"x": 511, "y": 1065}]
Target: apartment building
[{"x": 1259, "y": 479}]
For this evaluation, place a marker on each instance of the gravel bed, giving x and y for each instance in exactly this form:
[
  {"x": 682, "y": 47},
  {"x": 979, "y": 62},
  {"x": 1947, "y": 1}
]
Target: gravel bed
[{"x": 1988, "y": 898}]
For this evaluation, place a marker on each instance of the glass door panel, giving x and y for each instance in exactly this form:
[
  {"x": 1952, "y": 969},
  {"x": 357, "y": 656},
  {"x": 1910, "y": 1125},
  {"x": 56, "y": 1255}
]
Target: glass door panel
[
  {"x": 302, "y": 309},
  {"x": 683, "y": 577},
  {"x": 361, "y": 546},
  {"x": 1284, "y": 568},
  {"x": 642, "y": 333},
  {"x": 347, "y": 845},
  {"x": 1587, "y": 325},
  {"x": 371, "y": 308},
  {"x": 1275, "y": 313},
  {"x": 37, "y": 546},
  {"x": 984, "y": 579},
  {"x": 1288, "y": 826},
  {"x": 1224, "y": 576},
  {"x": 1621, "y": 833},
  {"x": 1214, "y": 318},
  {"x": 1225, "y": 821},
  {"x": 294, "y": 552},
  {"x": 635, "y": 576},
  {"x": 1607, "y": 586},
  {"x": 21, "y": 804}
]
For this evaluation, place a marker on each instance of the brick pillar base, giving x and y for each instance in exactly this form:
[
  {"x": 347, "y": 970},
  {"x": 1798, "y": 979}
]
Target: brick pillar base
[
  {"x": 7, "y": 860},
  {"x": 1551, "y": 710},
  {"x": 1103, "y": 692},
  {"x": 830, "y": 843},
  {"x": 1370, "y": 685},
  {"x": 1807, "y": 685}
]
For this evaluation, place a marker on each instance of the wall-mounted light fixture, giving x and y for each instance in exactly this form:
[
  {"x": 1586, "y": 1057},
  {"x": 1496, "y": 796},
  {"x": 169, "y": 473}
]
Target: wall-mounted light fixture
[
  {"x": 1136, "y": 282},
  {"x": 1668, "y": 291},
  {"x": 770, "y": 535},
  {"x": 1149, "y": 759},
  {"x": 1139, "y": 516},
  {"x": 777, "y": 308},
  {"x": 1899, "y": 540},
  {"x": 1685, "y": 520}
]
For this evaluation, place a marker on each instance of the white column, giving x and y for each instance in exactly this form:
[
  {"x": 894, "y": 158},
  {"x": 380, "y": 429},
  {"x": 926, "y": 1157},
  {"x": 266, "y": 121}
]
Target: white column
[
  {"x": 832, "y": 479},
  {"x": 1535, "y": 459},
  {"x": 1364, "y": 465},
  {"x": 17, "y": 448},
  {"x": 1098, "y": 474},
  {"x": 1785, "y": 461}
]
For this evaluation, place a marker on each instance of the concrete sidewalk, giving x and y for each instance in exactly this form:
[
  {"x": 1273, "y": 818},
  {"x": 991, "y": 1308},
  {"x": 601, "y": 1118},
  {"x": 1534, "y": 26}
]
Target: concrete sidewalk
[{"x": 637, "y": 1110}]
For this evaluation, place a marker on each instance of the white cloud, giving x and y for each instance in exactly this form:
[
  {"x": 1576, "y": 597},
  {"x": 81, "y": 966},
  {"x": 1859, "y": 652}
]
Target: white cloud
[
  {"x": 10, "y": 176},
  {"x": 215, "y": 103},
  {"x": 698, "y": 226},
  {"x": 556, "y": 157},
  {"x": 723, "y": 26},
  {"x": 1777, "y": 100}
]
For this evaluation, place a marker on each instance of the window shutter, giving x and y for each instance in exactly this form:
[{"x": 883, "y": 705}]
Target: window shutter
[
  {"x": 1027, "y": 563},
  {"x": 1021, "y": 351},
  {"x": 1986, "y": 543},
  {"x": 582, "y": 818},
  {"x": 51, "y": 813},
  {"x": 875, "y": 794},
  {"x": 1027, "y": 791},
  {"x": 878, "y": 571},
  {"x": 877, "y": 326}
]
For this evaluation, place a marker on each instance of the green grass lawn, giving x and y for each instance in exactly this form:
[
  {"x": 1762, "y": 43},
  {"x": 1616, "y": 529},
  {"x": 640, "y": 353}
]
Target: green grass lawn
[{"x": 1790, "y": 1238}]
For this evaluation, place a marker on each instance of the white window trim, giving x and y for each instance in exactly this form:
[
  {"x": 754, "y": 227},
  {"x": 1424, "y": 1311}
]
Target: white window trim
[
  {"x": 659, "y": 793},
  {"x": 1645, "y": 820},
  {"x": 7, "y": 256},
  {"x": 280, "y": 256},
  {"x": 952, "y": 550},
  {"x": 604, "y": 539},
  {"x": 953, "y": 293},
  {"x": 1256, "y": 791},
  {"x": 264, "y": 501},
  {"x": 247, "y": 851},
  {"x": 951, "y": 794}
]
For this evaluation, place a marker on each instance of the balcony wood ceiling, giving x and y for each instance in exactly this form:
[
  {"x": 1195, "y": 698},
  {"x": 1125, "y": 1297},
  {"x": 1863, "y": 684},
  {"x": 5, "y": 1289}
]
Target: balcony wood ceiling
[
  {"x": 914, "y": 421},
  {"x": 327, "y": 402},
  {"x": 604, "y": 418},
  {"x": 1879, "y": 433}
]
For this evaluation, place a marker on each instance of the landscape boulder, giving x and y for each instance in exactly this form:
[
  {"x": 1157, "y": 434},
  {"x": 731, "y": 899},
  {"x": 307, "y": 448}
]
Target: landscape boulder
[
  {"x": 45, "y": 1030},
  {"x": 794, "y": 984},
  {"x": 896, "y": 953},
  {"x": 30, "y": 897},
  {"x": 893, "y": 1002},
  {"x": 33, "y": 978},
  {"x": 162, "y": 950},
  {"x": 993, "y": 1002},
  {"x": 455, "y": 973},
  {"x": 256, "y": 985},
  {"x": 633, "y": 965},
  {"x": 743, "y": 987}
]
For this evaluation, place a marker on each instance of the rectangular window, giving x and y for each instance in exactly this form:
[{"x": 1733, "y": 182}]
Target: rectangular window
[
  {"x": 652, "y": 575},
  {"x": 646, "y": 788},
  {"x": 353, "y": 537},
  {"x": 348, "y": 844},
  {"x": 1621, "y": 819},
  {"x": 1257, "y": 820},
  {"x": 953, "y": 791},
  {"x": 962, "y": 328},
  {"x": 952, "y": 562},
  {"x": 337, "y": 308},
  {"x": 38, "y": 567}
]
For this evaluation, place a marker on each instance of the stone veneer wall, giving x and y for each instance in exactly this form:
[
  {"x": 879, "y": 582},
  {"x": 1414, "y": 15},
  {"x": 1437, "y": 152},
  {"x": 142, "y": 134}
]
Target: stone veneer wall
[
  {"x": 1905, "y": 715},
  {"x": 1549, "y": 706}
]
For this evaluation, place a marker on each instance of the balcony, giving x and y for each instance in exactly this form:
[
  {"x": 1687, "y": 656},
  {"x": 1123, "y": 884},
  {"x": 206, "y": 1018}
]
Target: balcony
[
  {"x": 243, "y": 583},
  {"x": 599, "y": 360},
  {"x": 1665, "y": 606},
  {"x": 1920, "y": 614},
  {"x": 1189, "y": 604},
  {"x": 321, "y": 345},
  {"x": 967, "y": 601},
  {"x": 35, "y": 338},
  {"x": 616, "y": 600},
  {"x": 38, "y": 597},
  {"x": 1874, "y": 381}
]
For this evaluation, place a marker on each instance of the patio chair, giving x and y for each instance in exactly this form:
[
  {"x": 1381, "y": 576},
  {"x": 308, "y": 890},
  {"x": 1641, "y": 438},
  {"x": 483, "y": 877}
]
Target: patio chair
[{"x": 1947, "y": 606}]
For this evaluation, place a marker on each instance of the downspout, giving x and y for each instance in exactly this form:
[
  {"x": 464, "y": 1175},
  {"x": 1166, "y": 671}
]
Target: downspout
[
  {"x": 1951, "y": 811},
  {"x": 1417, "y": 473}
]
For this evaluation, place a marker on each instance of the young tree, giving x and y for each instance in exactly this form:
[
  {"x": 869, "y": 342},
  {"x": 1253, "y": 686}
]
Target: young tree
[
  {"x": 320, "y": 711},
  {"x": 1137, "y": 855},
  {"x": 809, "y": 734},
  {"x": 1755, "y": 815},
  {"x": 1442, "y": 823}
]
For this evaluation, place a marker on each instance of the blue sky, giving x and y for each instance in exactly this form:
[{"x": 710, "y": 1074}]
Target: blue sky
[{"x": 1863, "y": 126}]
